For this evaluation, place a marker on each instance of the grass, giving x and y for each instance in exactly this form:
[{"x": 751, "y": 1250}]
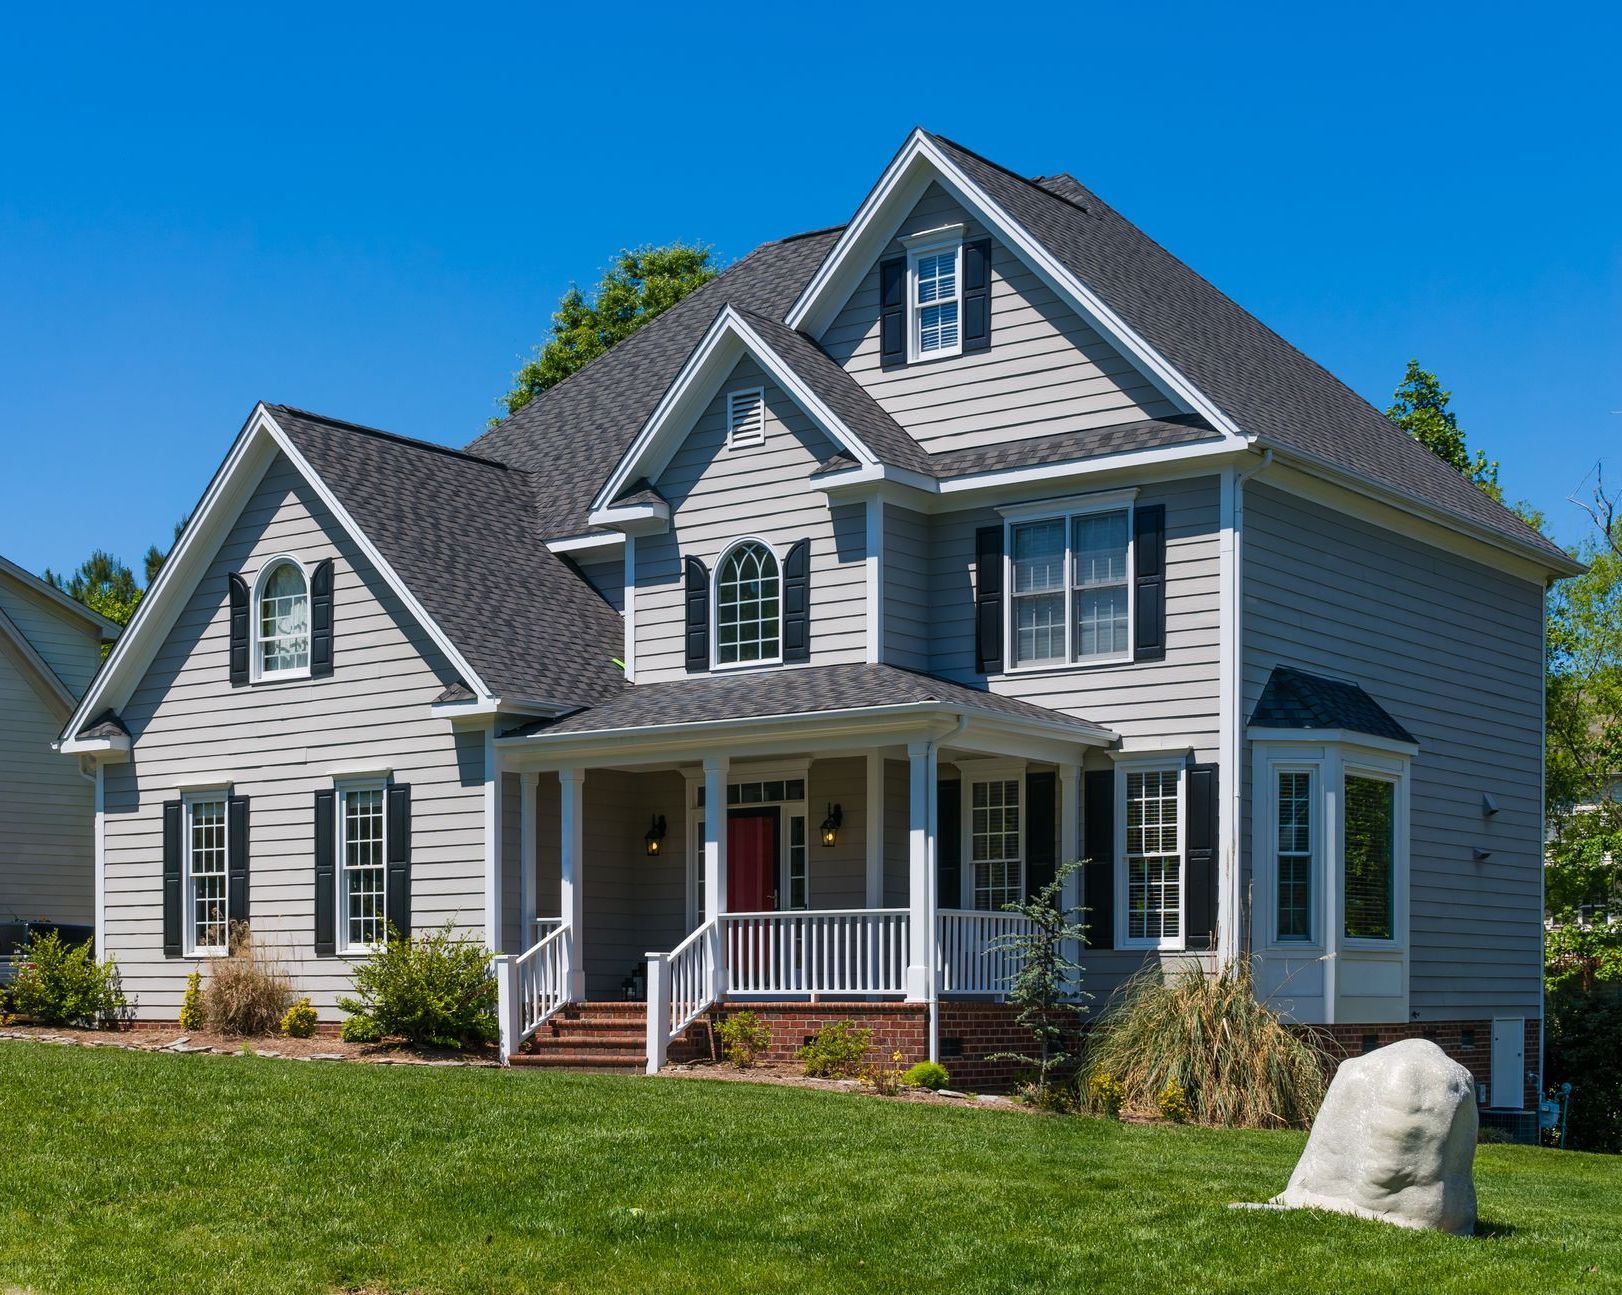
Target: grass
[{"x": 139, "y": 1172}]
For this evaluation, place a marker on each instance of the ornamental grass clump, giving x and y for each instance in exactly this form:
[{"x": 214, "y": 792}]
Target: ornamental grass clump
[
  {"x": 1232, "y": 1060},
  {"x": 246, "y": 991},
  {"x": 436, "y": 989}
]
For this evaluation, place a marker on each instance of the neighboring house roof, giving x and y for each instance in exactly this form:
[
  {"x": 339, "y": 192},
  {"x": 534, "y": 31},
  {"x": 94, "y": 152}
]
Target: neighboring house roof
[
  {"x": 64, "y": 603},
  {"x": 1295, "y": 699},
  {"x": 47, "y": 683},
  {"x": 461, "y": 531},
  {"x": 768, "y": 694}
]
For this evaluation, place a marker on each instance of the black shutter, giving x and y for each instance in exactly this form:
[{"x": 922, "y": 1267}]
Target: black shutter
[
  {"x": 797, "y": 602},
  {"x": 239, "y": 630},
  {"x": 171, "y": 879},
  {"x": 948, "y": 844},
  {"x": 397, "y": 899},
  {"x": 698, "y": 617},
  {"x": 1041, "y": 824},
  {"x": 893, "y": 311},
  {"x": 321, "y": 619},
  {"x": 988, "y": 599},
  {"x": 1098, "y": 851},
  {"x": 1149, "y": 559},
  {"x": 326, "y": 874},
  {"x": 1200, "y": 857},
  {"x": 977, "y": 295},
  {"x": 236, "y": 853}
]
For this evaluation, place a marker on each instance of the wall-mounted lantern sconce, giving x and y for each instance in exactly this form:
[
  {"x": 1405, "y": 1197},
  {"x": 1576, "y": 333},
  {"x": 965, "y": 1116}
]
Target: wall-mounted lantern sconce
[
  {"x": 831, "y": 824},
  {"x": 654, "y": 837}
]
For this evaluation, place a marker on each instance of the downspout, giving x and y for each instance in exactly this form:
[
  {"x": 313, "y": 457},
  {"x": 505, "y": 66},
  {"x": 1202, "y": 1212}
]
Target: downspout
[
  {"x": 934, "y": 890},
  {"x": 1234, "y": 756}
]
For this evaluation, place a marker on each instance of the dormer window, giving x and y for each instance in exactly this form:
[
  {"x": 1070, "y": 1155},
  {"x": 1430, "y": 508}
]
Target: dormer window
[
  {"x": 935, "y": 276},
  {"x": 282, "y": 623},
  {"x": 748, "y": 606},
  {"x": 746, "y": 418}
]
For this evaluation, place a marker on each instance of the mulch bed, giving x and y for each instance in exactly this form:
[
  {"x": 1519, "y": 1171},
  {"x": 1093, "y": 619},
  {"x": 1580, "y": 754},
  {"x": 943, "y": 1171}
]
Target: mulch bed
[
  {"x": 790, "y": 1076},
  {"x": 322, "y": 1048}
]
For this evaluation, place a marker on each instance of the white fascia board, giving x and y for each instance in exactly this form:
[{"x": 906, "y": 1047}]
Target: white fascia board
[
  {"x": 222, "y": 502},
  {"x": 729, "y": 338},
  {"x": 1344, "y": 737},
  {"x": 633, "y": 519},
  {"x": 586, "y": 543},
  {"x": 865, "y": 237},
  {"x": 111, "y": 750},
  {"x": 483, "y": 708}
]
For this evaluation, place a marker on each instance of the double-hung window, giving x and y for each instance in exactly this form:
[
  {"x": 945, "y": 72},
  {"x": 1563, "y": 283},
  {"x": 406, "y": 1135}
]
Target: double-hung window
[
  {"x": 935, "y": 299},
  {"x": 362, "y": 827},
  {"x": 282, "y": 637},
  {"x": 1153, "y": 849},
  {"x": 207, "y": 915},
  {"x": 995, "y": 837},
  {"x": 1070, "y": 588}
]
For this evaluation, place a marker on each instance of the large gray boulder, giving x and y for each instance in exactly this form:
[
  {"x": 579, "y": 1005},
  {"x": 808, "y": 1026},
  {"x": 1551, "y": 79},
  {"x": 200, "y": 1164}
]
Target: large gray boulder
[{"x": 1394, "y": 1141}]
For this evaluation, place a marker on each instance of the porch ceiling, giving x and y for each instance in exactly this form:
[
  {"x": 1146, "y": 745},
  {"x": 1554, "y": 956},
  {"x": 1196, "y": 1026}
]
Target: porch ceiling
[{"x": 809, "y": 709}]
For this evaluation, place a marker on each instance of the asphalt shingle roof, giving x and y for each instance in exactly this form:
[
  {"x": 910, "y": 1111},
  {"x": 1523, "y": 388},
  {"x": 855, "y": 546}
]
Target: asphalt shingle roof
[
  {"x": 766, "y": 693},
  {"x": 1295, "y": 699},
  {"x": 461, "y": 532}
]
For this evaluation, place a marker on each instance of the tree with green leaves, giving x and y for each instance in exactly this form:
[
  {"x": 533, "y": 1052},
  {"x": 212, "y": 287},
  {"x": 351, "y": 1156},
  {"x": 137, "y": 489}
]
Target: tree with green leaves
[
  {"x": 1420, "y": 408},
  {"x": 105, "y": 585},
  {"x": 642, "y": 284}
]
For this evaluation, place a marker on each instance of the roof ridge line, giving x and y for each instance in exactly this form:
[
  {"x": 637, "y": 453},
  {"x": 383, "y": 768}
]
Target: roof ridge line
[{"x": 384, "y": 434}]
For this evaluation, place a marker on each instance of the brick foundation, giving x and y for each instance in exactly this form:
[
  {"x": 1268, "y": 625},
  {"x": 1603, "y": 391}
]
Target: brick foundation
[{"x": 1467, "y": 1042}]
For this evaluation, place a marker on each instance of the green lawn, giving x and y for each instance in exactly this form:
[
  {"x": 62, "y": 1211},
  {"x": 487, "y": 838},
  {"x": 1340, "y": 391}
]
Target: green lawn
[{"x": 134, "y": 1172}]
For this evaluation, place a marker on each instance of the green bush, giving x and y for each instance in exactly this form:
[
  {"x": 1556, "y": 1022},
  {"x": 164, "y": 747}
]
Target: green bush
[
  {"x": 360, "y": 1029},
  {"x": 1584, "y": 1049},
  {"x": 744, "y": 1036},
  {"x": 433, "y": 988},
  {"x": 299, "y": 1020},
  {"x": 63, "y": 984},
  {"x": 1231, "y": 1058},
  {"x": 193, "y": 1016},
  {"x": 836, "y": 1051},
  {"x": 926, "y": 1074},
  {"x": 1105, "y": 1094},
  {"x": 1174, "y": 1102}
]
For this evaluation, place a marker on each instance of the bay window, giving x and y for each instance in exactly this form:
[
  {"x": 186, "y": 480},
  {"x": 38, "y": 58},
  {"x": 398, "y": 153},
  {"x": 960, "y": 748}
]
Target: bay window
[
  {"x": 1369, "y": 857},
  {"x": 1294, "y": 820}
]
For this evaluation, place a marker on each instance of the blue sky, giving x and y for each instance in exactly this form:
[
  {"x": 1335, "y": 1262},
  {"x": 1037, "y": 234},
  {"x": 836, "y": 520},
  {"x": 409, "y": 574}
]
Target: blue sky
[{"x": 371, "y": 211}]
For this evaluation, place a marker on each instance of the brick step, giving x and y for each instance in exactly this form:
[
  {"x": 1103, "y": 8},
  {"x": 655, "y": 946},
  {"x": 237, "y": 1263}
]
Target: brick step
[
  {"x": 594, "y": 1025},
  {"x": 599, "y": 1042},
  {"x": 581, "y": 1059}
]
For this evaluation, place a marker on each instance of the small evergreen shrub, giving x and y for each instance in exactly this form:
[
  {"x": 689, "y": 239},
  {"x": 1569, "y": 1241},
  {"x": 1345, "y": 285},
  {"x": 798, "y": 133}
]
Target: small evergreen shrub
[
  {"x": 192, "y": 1013},
  {"x": 247, "y": 993},
  {"x": 299, "y": 1020},
  {"x": 360, "y": 1029},
  {"x": 1174, "y": 1102},
  {"x": 63, "y": 984},
  {"x": 744, "y": 1036},
  {"x": 435, "y": 989},
  {"x": 1106, "y": 1094},
  {"x": 927, "y": 1074},
  {"x": 836, "y": 1050}
]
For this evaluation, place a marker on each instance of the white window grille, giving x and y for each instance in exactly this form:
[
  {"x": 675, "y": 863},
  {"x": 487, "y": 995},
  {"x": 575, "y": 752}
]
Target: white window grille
[
  {"x": 995, "y": 836},
  {"x": 284, "y": 621},
  {"x": 1085, "y": 617},
  {"x": 1154, "y": 864},
  {"x": 937, "y": 302},
  {"x": 1294, "y": 845},
  {"x": 362, "y": 877},
  {"x": 206, "y": 876},
  {"x": 748, "y": 606}
]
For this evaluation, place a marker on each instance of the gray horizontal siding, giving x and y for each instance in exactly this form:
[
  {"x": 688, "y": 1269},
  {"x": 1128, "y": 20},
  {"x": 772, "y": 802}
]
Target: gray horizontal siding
[
  {"x": 1046, "y": 371},
  {"x": 1454, "y": 651},
  {"x": 66, "y": 643},
  {"x": 279, "y": 743},
  {"x": 719, "y": 495},
  {"x": 907, "y": 612}
]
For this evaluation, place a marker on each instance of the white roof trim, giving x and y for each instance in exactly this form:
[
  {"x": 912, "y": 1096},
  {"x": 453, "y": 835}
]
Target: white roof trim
[
  {"x": 652, "y": 448},
  {"x": 46, "y": 681},
  {"x": 236, "y": 479},
  {"x": 586, "y": 543},
  {"x": 1332, "y": 737},
  {"x": 870, "y": 230},
  {"x": 109, "y": 629}
]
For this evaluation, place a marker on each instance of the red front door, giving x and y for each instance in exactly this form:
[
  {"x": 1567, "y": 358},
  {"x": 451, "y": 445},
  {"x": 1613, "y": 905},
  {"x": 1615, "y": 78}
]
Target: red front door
[{"x": 752, "y": 860}]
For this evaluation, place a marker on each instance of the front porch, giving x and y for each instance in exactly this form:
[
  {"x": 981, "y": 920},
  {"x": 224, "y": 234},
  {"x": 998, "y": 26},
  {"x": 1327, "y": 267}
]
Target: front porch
[{"x": 863, "y": 858}]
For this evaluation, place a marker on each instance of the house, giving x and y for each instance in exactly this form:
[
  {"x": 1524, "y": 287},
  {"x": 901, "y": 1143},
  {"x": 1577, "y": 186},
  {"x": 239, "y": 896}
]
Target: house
[
  {"x": 974, "y": 536},
  {"x": 50, "y": 647}
]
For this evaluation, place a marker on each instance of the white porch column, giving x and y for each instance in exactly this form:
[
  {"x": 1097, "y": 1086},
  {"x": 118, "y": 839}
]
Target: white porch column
[
  {"x": 715, "y": 866},
  {"x": 528, "y": 788},
  {"x": 493, "y": 935},
  {"x": 572, "y": 899},
  {"x": 922, "y": 984},
  {"x": 1070, "y": 842},
  {"x": 875, "y": 830}
]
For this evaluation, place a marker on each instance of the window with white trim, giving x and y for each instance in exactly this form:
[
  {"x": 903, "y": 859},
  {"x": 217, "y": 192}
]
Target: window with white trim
[
  {"x": 207, "y": 915},
  {"x": 995, "y": 836},
  {"x": 1154, "y": 857},
  {"x": 936, "y": 301},
  {"x": 746, "y": 418},
  {"x": 283, "y": 621},
  {"x": 748, "y": 606},
  {"x": 1368, "y": 860},
  {"x": 362, "y": 829},
  {"x": 799, "y": 874},
  {"x": 1293, "y": 835},
  {"x": 1070, "y": 588}
]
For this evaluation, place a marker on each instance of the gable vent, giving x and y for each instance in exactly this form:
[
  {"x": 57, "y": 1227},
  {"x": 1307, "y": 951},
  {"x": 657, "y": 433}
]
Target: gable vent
[{"x": 746, "y": 418}]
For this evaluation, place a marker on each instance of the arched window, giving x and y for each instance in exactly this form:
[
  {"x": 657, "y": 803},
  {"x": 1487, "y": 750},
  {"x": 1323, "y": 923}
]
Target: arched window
[
  {"x": 748, "y": 604},
  {"x": 284, "y": 620}
]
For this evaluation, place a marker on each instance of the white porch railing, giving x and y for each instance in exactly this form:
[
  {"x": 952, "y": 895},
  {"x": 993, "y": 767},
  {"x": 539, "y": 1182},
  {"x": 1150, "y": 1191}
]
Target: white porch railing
[
  {"x": 973, "y": 953},
  {"x": 816, "y": 951},
  {"x": 681, "y": 985},
  {"x": 537, "y": 983}
]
